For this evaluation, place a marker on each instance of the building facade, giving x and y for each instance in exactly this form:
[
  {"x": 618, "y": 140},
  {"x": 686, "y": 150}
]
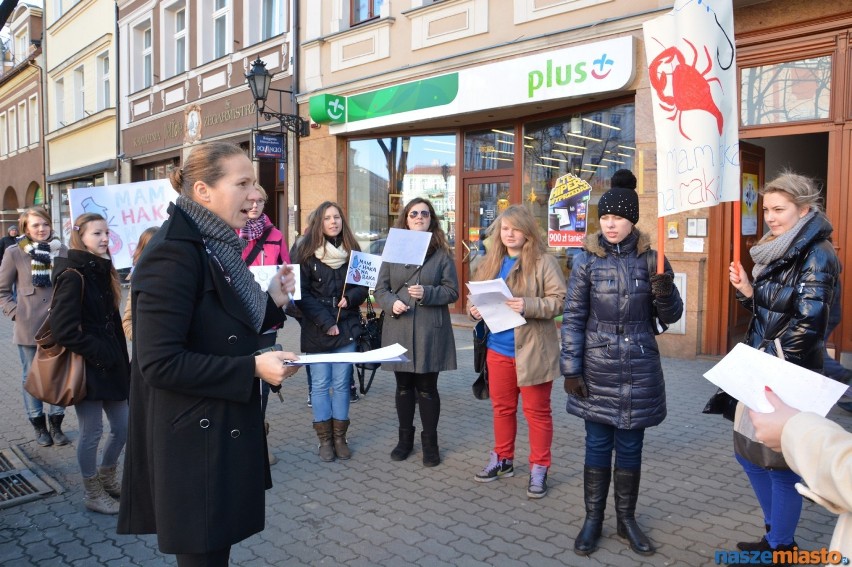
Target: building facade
[
  {"x": 81, "y": 130},
  {"x": 398, "y": 66},
  {"x": 185, "y": 83},
  {"x": 21, "y": 139}
]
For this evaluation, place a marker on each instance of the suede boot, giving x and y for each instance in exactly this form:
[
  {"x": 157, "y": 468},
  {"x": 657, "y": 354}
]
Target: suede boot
[
  {"x": 626, "y": 494},
  {"x": 326, "y": 445},
  {"x": 431, "y": 455},
  {"x": 341, "y": 448},
  {"x": 43, "y": 438},
  {"x": 754, "y": 545},
  {"x": 595, "y": 490},
  {"x": 59, "y": 438},
  {"x": 110, "y": 481},
  {"x": 96, "y": 498},
  {"x": 405, "y": 445}
]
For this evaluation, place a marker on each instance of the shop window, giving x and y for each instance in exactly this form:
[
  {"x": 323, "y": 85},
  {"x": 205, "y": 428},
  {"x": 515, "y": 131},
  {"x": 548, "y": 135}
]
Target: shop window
[
  {"x": 488, "y": 150},
  {"x": 383, "y": 174},
  {"x": 364, "y": 10},
  {"x": 591, "y": 146},
  {"x": 786, "y": 92}
]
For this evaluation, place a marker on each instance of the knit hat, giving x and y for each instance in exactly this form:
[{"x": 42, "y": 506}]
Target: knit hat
[{"x": 622, "y": 199}]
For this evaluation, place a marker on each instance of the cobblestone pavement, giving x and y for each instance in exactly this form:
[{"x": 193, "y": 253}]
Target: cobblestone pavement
[{"x": 694, "y": 498}]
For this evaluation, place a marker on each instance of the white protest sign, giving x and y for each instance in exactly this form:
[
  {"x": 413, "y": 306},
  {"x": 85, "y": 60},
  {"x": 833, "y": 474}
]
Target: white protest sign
[
  {"x": 363, "y": 269},
  {"x": 406, "y": 246},
  {"x": 129, "y": 209},
  {"x": 262, "y": 275},
  {"x": 693, "y": 76}
]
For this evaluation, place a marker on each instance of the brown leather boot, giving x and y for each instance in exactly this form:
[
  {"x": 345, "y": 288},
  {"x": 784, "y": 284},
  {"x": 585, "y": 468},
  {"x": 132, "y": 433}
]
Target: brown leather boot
[
  {"x": 340, "y": 426},
  {"x": 326, "y": 446}
]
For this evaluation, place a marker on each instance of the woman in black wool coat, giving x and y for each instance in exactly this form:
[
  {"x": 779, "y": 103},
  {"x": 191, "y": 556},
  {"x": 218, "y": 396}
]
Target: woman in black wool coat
[
  {"x": 610, "y": 358},
  {"x": 85, "y": 319},
  {"x": 196, "y": 464}
]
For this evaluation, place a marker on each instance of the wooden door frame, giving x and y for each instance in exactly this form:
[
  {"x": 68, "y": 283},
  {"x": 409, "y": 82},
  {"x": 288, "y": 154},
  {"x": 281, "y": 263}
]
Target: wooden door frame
[{"x": 720, "y": 253}]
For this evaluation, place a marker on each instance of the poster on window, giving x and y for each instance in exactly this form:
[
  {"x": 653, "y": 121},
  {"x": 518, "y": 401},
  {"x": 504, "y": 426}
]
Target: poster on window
[
  {"x": 129, "y": 208},
  {"x": 749, "y": 204},
  {"x": 692, "y": 73},
  {"x": 567, "y": 212}
]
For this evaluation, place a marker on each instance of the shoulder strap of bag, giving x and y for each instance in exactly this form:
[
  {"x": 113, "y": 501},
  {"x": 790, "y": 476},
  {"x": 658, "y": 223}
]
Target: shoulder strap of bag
[
  {"x": 258, "y": 246},
  {"x": 82, "y": 286}
]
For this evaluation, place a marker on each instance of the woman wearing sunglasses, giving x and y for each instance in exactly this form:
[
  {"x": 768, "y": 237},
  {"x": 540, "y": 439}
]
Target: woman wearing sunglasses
[{"x": 417, "y": 297}]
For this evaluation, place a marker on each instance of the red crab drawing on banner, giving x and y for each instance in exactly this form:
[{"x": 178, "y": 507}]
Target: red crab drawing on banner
[{"x": 690, "y": 88}]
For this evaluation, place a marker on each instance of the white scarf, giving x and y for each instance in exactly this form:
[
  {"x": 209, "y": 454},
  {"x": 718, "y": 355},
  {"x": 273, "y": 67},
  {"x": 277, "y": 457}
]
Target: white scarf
[{"x": 331, "y": 255}]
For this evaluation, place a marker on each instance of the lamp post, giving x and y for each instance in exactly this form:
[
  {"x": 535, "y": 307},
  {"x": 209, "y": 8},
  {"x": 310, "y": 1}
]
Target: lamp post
[{"x": 259, "y": 80}]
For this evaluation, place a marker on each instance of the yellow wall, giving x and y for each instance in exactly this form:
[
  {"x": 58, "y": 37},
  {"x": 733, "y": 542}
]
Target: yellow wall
[{"x": 83, "y": 147}]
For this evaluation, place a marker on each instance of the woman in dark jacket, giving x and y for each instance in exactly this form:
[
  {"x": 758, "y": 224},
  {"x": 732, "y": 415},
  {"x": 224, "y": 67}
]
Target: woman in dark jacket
[
  {"x": 610, "y": 358},
  {"x": 795, "y": 271},
  {"x": 196, "y": 465},
  {"x": 85, "y": 319},
  {"x": 417, "y": 298},
  {"x": 330, "y": 322}
]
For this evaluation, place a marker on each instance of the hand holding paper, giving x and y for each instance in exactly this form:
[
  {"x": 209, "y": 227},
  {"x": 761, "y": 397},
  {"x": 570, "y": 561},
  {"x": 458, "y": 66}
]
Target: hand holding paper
[
  {"x": 490, "y": 298},
  {"x": 745, "y": 372}
]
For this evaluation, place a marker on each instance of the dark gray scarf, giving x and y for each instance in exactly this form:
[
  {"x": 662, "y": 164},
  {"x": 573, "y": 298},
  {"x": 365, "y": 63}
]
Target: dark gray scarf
[
  {"x": 225, "y": 248},
  {"x": 770, "y": 249}
]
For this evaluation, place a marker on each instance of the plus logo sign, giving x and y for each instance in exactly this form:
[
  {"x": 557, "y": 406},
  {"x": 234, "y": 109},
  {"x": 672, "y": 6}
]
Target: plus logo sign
[
  {"x": 602, "y": 67},
  {"x": 336, "y": 108}
]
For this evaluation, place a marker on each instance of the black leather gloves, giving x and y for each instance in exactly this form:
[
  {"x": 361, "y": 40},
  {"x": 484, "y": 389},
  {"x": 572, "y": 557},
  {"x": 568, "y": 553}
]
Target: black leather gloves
[
  {"x": 576, "y": 386},
  {"x": 661, "y": 285}
]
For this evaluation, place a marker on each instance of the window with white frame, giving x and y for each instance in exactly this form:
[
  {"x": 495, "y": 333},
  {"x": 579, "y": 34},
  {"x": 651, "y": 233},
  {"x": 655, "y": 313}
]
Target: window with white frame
[
  {"x": 59, "y": 97},
  {"x": 104, "y": 97},
  {"x": 35, "y": 134},
  {"x": 175, "y": 37},
  {"x": 4, "y": 133},
  {"x": 13, "y": 130},
  {"x": 264, "y": 19},
  {"x": 79, "y": 93},
  {"x": 23, "y": 130},
  {"x": 215, "y": 40},
  {"x": 364, "y": 10},
  {"x": 22, "y": 40},
  {"x": 143, "y": 59}
]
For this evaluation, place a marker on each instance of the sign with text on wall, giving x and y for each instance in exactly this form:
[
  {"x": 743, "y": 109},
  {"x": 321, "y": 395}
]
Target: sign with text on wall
[
  {"x": 567, "y": 212},
  {"x": 579, "y": 70},
  {"x": 129, "y": 208}
]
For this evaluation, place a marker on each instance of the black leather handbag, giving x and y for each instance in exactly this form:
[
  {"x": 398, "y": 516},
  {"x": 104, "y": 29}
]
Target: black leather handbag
[
  {"x": 480, "y": 349},
  {"x": 370, "y": 339}
]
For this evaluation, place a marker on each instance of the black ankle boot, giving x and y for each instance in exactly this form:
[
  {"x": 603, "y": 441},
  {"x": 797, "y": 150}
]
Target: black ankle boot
[
  {"x": 431, "y": 455},
  {"x": 59, "y": 438},
  {"x": 595, "y": 490},
  {"x": 761, "y": 545},
  {"x": 43, "y": 438},
  {"x": 405, "y": 445},
  {"x": 626, "y": 494}
]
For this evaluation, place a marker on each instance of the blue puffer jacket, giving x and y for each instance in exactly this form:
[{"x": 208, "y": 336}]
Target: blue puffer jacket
[
  {"x": 608, "y": 333},
  {"x": 793, "y": 296}
]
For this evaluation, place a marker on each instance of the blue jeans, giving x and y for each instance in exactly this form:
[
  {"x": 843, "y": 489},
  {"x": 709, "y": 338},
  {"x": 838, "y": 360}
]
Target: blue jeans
[
  {"x": 602, "y": 438},
  {"x": 778, "y": 498},
  {"x": 32, "y": 406},
  {"x": 335, "y": 377}
]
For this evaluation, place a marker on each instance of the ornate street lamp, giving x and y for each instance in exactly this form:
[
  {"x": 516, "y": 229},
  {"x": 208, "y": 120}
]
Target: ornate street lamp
[{"x": 259, "y": 80}]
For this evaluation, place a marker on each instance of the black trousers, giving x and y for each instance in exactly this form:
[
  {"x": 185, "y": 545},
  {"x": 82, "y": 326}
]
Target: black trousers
[{"x": 425, "y": 387}]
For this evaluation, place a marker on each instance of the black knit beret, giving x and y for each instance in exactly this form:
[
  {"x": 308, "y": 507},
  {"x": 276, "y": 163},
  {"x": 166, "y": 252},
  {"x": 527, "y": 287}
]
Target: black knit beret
[{"x": 622, "y": 199}]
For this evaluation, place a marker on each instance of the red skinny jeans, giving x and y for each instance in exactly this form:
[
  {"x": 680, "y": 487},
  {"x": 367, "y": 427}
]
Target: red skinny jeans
[{"x": 535, "y": 401}]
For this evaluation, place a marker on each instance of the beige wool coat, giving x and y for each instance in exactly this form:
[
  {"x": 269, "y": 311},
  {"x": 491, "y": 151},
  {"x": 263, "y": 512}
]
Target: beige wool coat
[
  {"x": 30, "y": 308},
  {"x": 537, "y": 342}
]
